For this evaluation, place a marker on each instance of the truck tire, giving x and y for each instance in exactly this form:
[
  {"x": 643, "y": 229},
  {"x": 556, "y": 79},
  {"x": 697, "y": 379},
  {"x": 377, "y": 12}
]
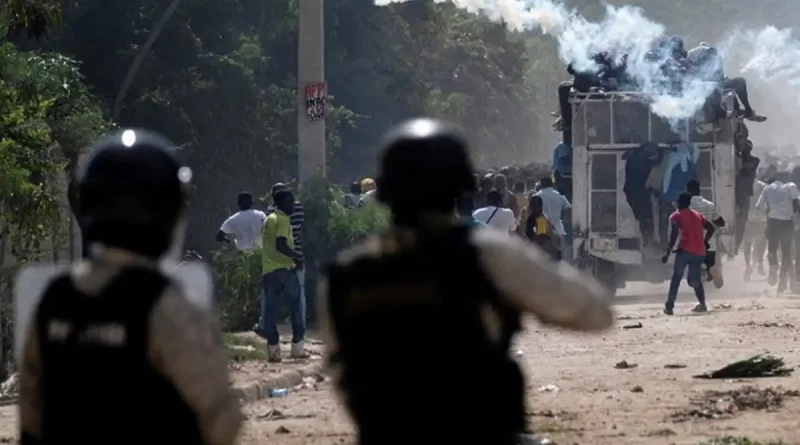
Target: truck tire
[{"x": 605, "y": 272}]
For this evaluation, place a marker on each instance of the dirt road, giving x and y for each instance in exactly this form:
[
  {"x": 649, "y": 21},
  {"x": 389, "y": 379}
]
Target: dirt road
[{"x": 596, "y": 403}]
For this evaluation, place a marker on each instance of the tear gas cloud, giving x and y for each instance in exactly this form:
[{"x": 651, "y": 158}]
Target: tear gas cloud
[{"x": 625, "y": 30}]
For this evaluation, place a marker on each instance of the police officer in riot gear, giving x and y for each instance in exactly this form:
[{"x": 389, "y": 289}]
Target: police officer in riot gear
[
  {"x": 432, "y": 300},
  {"x": 117, "y": 349}
]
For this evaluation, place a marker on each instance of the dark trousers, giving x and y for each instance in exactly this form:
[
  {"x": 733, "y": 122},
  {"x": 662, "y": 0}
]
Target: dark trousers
[
  {"x": 740, "y": 221},
  {"x": 780, "y": 235},
  {"x": 739, "y": 86},
  {"x": 277, "y": 285},
  {"x": 683, "y": 261},
  {"x": 754, "y": 247},
  {"x": 566, "y": 110}
]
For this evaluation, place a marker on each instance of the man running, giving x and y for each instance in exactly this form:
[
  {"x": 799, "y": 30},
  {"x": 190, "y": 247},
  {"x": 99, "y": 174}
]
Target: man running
[
  {"x": 691, "y": 252},
  {"x": 779, "y": 200}
]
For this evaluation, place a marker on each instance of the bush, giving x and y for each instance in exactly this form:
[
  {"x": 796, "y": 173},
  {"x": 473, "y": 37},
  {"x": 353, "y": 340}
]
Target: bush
[
  {"x": 238, "y": 276},
  {"x": 329, "y": 228}
]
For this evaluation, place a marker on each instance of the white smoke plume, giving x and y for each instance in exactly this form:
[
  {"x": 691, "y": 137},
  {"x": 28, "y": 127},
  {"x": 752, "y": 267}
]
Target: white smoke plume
[
  {"x": 769, "y": 59},
  {"x": 774, "y": 57},
  {"x": 623, "y": 31}
]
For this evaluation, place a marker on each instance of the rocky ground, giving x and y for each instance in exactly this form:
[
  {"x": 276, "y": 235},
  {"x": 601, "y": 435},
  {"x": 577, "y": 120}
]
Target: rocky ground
[{"x": 578, "y": 391}]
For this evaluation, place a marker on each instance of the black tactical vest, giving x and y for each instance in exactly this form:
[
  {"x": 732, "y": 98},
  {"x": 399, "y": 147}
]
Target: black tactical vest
[
  {"x": 99, "y": 384},
  {"x": 417, "y": 365}
]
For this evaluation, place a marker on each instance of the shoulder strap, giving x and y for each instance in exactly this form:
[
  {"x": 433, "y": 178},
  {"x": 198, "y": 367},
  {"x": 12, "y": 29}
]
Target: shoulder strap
[{"x": 492, "y": 215}]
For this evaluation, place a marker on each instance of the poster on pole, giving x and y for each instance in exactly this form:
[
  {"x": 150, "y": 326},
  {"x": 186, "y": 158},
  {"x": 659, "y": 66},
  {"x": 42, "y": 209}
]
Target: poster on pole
[{"x": 316, "y": 95}]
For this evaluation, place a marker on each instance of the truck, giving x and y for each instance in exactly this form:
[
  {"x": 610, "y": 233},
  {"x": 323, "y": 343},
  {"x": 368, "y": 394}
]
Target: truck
[{"x": 606, "y": 128}]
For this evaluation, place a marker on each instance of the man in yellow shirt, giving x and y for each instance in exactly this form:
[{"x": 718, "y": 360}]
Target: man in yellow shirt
[{"x": 279, "y": 279}]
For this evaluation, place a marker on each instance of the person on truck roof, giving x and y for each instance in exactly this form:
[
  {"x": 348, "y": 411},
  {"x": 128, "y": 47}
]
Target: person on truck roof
[
  {"x": 605, "y": 74},
  {"x": 708, "y": 65},
  {"x": 670, "y": 57}
]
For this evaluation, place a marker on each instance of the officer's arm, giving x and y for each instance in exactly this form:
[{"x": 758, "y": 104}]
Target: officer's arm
[
  {"x": 532, "y": 282},
  {"x": 30, "y": 391},
  {"x": 185, "y": 345}
]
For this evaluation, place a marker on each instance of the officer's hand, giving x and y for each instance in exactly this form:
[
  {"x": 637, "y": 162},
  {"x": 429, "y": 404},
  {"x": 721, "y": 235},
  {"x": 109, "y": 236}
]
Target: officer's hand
[
  {"x": 665, "y": 258},
  {"x": 708, "y": 246},
  {"x": 298, "y": 263}
]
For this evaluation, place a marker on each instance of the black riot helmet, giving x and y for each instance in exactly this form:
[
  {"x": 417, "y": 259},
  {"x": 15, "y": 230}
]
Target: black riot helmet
[
  {"x": 133, "y": 192},
  {"x": 424, "y": 168}
]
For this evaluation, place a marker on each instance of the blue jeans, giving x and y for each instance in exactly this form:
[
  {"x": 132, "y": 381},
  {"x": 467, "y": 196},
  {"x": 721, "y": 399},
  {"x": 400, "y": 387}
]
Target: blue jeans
[
  {"x": 282, "y": 283},
  {"x": 694, "y": 277}
]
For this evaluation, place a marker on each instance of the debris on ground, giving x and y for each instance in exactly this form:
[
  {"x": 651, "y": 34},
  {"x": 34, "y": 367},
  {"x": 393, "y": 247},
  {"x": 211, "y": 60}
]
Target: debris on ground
[
  {"x": 272, "y": 414},
  {"x": 724, "y": 404},
  {"x": 637, "y": 388},
  {"x": 310, "y": 382},
  {"x": 278, "y": 392},
  {"x": 762, "y": 365},
  {"x": 675, "y": 366},
  {"x": 548, "y": 388},
  {"x": 730, "y": 440},
  {"x": 633, "y": 326},
  {"x": 767, "y": 325},
  {"x": 625, "y": 365},
  {"x": 275, "y": 414},
  {"x": 282, "y": 430},
  {"x": 664, "y": 432},
  {"x": 723, "y": 306},
  {"x": 550, "y": 414},
  {"x": 753, "y": 306},
  {"x": 625, "y": 317}
]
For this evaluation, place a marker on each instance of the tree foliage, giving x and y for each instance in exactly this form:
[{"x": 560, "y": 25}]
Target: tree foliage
[
  {"x": 221, "y": 82},
  {"x": 46, "y": 116},
  {"x": 221, "y": 79}
]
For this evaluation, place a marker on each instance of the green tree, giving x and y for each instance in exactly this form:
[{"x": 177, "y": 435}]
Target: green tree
[{"x": 46, "y": 116}]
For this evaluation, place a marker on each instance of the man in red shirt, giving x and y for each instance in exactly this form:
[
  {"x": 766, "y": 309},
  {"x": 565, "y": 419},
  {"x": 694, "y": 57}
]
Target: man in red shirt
[{"x": 691, "y": 251}]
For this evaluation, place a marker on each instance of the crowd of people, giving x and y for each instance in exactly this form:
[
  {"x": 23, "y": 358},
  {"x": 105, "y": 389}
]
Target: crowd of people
[
  {"x": 118, "y": 331},
  {"x": 536, "y": 213}
]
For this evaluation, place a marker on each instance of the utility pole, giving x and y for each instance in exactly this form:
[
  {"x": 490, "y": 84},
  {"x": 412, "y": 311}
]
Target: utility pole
[{"x": 312, "y": 90}]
